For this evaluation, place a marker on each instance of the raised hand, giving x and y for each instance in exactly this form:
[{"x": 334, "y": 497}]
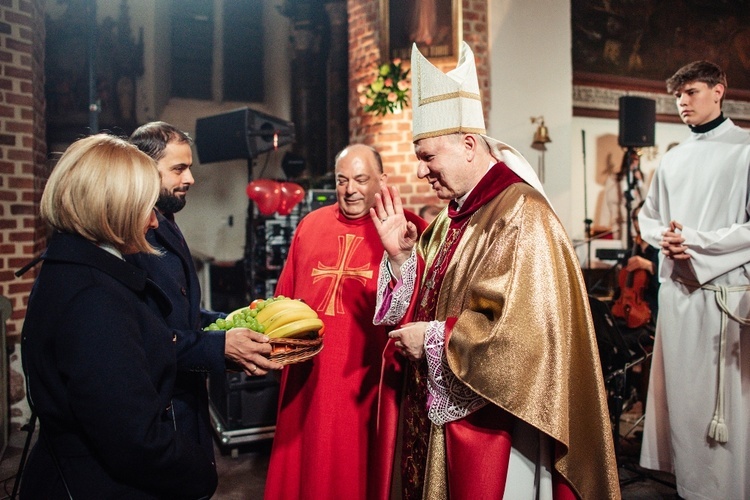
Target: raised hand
[{"x": 397, "y": 234}]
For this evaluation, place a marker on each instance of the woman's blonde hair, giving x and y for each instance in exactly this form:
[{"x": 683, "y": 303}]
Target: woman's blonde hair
[{"x": 104, "y": 189}]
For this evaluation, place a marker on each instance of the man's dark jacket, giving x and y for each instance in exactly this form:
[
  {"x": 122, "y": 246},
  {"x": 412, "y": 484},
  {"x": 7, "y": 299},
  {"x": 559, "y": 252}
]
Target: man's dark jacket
[{"x": 198, "y": 352}]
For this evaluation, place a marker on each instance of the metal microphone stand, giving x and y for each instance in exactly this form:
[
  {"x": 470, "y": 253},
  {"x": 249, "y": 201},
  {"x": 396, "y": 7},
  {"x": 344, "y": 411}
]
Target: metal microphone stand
[
  {"x": 632, "y": 163},
  {"x": 586, "y": 221}
]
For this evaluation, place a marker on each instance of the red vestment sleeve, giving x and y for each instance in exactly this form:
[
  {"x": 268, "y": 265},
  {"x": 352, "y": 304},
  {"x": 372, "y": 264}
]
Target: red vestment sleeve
[{"x": 389, "y": 392}]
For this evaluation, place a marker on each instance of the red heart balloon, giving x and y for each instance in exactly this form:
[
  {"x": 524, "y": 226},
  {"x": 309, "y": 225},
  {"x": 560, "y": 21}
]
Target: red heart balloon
[
  {"x": 291, "y": 194},
  {"x": 266, "y": 194}
]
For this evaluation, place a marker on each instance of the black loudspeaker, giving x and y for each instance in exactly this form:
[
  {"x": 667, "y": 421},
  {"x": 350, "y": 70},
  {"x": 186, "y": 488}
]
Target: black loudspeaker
[
  {"x": 240, "y": 134},
  {"x": 243, "y": 402},
  {"x": 637, "y": 121}
]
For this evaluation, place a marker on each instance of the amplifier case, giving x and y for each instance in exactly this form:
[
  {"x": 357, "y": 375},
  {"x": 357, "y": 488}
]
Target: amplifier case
[{"x": 243, "y": 409}]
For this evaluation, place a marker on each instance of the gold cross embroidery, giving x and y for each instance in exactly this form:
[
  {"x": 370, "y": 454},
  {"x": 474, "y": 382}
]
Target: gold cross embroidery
[{"x": 339, "y": 272}]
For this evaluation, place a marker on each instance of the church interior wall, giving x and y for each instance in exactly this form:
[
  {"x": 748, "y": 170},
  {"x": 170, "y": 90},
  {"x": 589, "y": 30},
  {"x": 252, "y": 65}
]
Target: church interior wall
[
  {"x": 531, "y": 74},
  {"x": 215, "y": 220}
]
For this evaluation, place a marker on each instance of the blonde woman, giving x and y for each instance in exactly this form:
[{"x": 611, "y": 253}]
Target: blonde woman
[{"x": 98, "y": 357}]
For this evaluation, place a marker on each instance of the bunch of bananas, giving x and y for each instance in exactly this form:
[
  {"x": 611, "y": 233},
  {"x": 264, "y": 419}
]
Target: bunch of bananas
[
  {"x": 277, "y": 317},
  {"x": 288, "y": 318}
]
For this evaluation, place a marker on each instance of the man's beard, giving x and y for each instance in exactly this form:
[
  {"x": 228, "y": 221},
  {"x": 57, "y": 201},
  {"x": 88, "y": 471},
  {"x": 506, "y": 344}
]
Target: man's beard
[{"x": 169, "y": 203}]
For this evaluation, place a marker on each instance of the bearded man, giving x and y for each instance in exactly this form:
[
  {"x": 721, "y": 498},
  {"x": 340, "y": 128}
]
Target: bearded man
[{"x": 198, "y": 352}]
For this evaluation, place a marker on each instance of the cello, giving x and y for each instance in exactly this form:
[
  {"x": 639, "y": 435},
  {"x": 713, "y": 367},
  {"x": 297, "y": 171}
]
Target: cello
[{"x": 631, "y": 305}]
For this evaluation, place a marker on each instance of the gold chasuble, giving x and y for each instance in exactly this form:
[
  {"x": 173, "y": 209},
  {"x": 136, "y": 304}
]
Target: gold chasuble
[{"x": 519, "y": 334}]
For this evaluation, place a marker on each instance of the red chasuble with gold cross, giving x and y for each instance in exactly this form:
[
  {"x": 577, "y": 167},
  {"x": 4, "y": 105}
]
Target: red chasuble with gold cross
[{"x": 326, "y": 430}]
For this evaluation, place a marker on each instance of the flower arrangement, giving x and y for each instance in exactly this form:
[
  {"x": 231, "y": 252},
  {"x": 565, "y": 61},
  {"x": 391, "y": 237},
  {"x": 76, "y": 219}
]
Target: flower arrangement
[{"x": 388, "y": 93}]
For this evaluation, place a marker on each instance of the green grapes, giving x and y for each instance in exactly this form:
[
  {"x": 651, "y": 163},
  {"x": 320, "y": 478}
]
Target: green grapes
[{"x": 244, "y": 318}]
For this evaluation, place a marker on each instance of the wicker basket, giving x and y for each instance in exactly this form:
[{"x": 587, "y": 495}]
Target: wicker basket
[{"x": 289, "y": 351}]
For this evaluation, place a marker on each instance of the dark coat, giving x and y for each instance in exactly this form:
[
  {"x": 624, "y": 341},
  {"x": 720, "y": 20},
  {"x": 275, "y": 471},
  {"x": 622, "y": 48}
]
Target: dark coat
[
  {"x": 198, "y": 352},
  {"x": 100, "y": 367}
]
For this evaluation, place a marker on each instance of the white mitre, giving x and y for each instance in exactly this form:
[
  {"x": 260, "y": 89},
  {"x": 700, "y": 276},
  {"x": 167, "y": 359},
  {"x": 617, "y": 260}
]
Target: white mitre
[{"x": 449, "y": 103}]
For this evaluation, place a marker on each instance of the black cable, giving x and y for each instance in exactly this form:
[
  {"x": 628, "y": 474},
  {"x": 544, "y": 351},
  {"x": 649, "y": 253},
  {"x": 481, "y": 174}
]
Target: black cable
[{"x": 5, "y": 487}]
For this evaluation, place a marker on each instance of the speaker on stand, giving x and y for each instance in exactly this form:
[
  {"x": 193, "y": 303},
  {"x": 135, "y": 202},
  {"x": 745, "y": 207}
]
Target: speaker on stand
[
  {"x": 242, "y": 408},
  {"x": 637, "y": 122},
  {"x": 240, "y": 134},
  {"x": 637, "y": 117},
  {"x": 243, "y": 133}
]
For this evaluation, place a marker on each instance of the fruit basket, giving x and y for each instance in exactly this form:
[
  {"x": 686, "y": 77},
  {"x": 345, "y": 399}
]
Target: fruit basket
[
  {"x": 293, "y": 328},
  {"x": 290, "y": 351}
]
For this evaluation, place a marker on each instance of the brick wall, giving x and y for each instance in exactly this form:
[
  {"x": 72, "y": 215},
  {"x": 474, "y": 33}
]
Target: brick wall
[
  {"x": 391, "y": 135},
  {"x": 22, "y": 160},
  {"x": 22, "y": 148}
]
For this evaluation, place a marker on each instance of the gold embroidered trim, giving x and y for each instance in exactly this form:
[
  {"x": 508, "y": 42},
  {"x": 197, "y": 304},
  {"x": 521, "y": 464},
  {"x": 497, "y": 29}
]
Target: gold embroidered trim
[{"x": 452, "y": 95}]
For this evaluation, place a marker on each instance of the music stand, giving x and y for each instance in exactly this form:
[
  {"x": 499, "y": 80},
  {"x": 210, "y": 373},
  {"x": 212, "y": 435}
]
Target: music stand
[
  {"x": 618, "y": 361},
  {"x": 617, "y": 389},
  {"x": 617, "y": 385},
  {"x": 586, "y": 220}
]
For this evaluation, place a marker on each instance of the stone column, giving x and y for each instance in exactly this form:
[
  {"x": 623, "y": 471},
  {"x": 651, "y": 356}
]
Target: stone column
[{"x": 309, "y": 95}]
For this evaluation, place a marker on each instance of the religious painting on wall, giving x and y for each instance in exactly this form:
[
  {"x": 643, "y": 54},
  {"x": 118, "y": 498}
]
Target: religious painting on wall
[
  {"x": 637, "y": 45},
  {"x": 434, "y": 25}
]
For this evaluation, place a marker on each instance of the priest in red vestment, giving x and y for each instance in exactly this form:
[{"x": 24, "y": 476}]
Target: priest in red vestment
[
  {"x": 326, "y": 443},
  {"x": 504, "y": 395}
]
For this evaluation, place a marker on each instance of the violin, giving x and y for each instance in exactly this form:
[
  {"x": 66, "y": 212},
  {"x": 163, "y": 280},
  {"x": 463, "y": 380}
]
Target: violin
[{"x": 631, "y": 305}]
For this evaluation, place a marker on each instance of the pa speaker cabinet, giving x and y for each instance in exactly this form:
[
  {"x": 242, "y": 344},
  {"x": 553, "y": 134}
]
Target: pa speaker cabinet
[
  {"x": 243, "y": 402},
  {"x": 240, "y": 134},
  {"x": 637, "y": 121},
  {"x": 223, "y": 137}
]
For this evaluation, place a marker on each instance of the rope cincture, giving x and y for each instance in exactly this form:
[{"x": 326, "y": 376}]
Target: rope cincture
[{"x": 717, "y": 430}]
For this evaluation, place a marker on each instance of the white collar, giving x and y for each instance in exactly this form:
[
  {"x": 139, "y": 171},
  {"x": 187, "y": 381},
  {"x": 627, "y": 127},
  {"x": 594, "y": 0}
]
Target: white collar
[{"x": 109, "y": 248}]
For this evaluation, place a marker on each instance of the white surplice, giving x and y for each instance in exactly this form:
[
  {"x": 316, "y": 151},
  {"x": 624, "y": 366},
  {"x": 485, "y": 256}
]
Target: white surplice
[{"x": 702, "y": 184}]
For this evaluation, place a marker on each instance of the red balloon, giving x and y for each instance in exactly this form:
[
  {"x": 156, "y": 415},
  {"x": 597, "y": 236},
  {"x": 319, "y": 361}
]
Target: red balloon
[
  {"x": 266, "y": 194},
  {"x": 291, "y": 194}
]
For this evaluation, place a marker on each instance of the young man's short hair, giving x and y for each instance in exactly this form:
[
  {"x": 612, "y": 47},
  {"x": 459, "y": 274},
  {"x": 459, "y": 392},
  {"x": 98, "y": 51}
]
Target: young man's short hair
[{"x": 697, "y": 71}]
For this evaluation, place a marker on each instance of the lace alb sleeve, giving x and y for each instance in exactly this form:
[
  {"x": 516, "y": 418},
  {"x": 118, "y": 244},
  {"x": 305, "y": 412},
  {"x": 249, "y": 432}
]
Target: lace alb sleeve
[
  {"x": 449, "y": 399},
  {"x": 393, "y": 301}
]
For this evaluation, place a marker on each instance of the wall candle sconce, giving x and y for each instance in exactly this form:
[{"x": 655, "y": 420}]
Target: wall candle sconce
[{"x": 541, "y": 138}]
